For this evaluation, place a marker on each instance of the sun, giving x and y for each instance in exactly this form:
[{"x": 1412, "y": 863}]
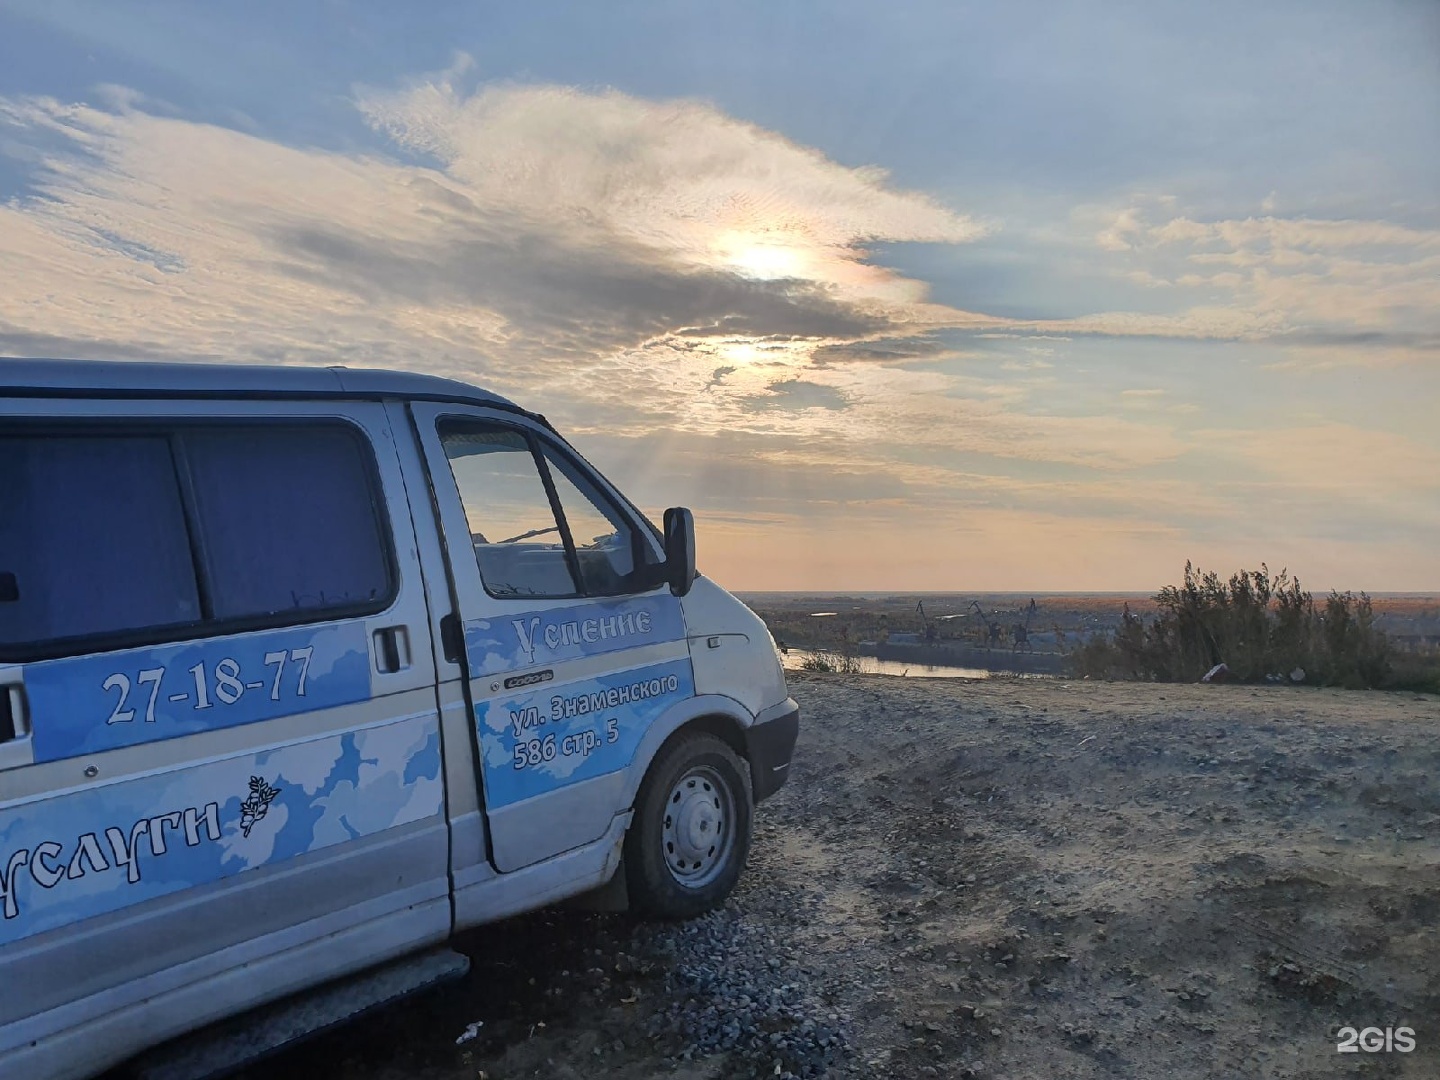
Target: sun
[
  {"x": 761, "y": 260},
  {"x": 768, "y": 263}
]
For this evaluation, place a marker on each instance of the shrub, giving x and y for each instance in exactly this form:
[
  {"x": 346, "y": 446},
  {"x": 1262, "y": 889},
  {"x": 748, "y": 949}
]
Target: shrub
[
  {"x": 839, "y": 663},
  {"x": 1258, "y": 626},
  {"x": 1415, "y": 669}
]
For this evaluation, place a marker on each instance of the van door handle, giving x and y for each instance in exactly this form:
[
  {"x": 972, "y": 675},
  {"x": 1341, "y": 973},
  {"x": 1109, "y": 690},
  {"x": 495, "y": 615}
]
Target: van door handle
[
  {"x": 392, "y": 649},
  {"x": 14, "y": 720},
  {"x": 452, "y": 638}
]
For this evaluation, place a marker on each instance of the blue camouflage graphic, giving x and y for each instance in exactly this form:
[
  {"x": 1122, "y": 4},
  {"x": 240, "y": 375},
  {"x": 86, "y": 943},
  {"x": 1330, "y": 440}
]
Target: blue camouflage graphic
[
  {"x": 543, "y": 739},
  {"x": 86, "y": 704},
  {"x": 569, "y": 633},
  {"x": 72, "y": 856}
]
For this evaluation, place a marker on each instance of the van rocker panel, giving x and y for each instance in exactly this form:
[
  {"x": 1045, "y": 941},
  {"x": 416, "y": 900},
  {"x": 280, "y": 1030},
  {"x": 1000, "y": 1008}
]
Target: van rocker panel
[
  {"x": 481, "y": 898},
  {"x": 71, "y": 1055}
]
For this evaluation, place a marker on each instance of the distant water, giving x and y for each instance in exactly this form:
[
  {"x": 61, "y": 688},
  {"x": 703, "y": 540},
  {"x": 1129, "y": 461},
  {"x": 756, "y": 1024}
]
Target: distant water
[{"x": 795, "y": 659}]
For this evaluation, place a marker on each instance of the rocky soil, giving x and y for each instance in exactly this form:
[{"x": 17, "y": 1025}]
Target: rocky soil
[{"x": 1003, "y": 879}]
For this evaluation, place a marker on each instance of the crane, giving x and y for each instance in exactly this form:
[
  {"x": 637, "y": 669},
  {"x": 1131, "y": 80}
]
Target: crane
[
  {"x": 1021, "y": 631},
  {"x": 993, "y": 631}
]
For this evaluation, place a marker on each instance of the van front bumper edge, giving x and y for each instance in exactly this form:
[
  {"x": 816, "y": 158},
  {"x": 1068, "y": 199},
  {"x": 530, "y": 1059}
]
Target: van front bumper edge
[{"x": 769, "y": 745}]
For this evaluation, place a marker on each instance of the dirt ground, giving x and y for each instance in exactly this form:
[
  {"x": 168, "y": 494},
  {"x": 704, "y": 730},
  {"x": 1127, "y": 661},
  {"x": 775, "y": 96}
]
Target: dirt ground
[{"x": 1003, "y": 878}]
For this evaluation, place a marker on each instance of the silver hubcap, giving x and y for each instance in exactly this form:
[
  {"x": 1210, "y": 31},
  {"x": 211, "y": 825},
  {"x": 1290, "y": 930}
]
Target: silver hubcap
[{"x": 698, "y": 827}]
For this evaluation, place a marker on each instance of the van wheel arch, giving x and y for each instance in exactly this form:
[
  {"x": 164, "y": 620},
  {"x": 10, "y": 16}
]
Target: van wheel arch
[{"x": 723, "y": 728}]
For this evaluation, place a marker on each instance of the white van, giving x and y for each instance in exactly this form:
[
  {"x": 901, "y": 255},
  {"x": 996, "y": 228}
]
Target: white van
[{"x": 304, "y": 670}]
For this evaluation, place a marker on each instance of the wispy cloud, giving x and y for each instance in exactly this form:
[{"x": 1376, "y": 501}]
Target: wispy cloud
[
  {"x": 1368, "y": 287},
  {"x": 538, "y": 224},
  {"x": 621, "y": 252},
  {"x": 694, "y": 186}
]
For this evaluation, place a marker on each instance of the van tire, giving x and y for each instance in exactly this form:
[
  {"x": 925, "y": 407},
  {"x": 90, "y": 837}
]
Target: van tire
[{"x": 697, "y": 788}]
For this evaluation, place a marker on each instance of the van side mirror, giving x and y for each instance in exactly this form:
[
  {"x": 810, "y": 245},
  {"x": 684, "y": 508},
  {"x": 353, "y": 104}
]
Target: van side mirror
[{"x": 679, "y": 549}]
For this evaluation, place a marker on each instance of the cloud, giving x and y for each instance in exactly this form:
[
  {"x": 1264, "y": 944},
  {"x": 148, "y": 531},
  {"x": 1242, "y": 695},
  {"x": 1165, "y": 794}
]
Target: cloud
[
  {"x": 1369, "y": 287},
  {"x": 695, "y": 298},
  {"x": 569, "y": 297},
  {"x": 983, "y": 520},
  {"x": 516, "y": 226},
  {"x": 921, "y": 348},
  {"x": 511, "y": 227},
  {"x": 796, "y": 394},
  {"x": 679, "y": 177}
]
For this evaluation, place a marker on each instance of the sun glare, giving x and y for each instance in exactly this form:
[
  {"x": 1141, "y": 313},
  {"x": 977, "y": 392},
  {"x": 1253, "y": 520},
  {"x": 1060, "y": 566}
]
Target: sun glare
[{"x": 766, "y": 262}]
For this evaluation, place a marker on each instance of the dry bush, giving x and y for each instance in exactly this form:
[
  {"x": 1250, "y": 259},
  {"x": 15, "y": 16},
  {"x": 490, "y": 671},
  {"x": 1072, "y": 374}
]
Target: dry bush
[
  {"x": 838, "y": 663},
  {"x": 1259, "y": 626}
]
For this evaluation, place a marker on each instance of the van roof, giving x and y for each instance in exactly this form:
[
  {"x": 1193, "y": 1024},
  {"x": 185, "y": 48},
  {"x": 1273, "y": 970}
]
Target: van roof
[{"x": 137, "y": 378}]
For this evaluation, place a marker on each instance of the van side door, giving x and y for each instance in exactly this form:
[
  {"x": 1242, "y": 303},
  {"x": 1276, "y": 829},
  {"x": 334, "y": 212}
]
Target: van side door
[
  {"x": 573, "y": 645},
  {"x": 220, "y": 767}
]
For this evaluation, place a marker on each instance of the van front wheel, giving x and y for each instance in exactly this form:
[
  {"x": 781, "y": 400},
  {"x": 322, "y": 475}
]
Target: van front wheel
[{"x": 691, "y": 831}]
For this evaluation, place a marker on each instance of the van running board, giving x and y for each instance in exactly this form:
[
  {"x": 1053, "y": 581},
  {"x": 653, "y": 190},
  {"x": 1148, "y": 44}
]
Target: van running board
[{"x": 230, "y": 1044}]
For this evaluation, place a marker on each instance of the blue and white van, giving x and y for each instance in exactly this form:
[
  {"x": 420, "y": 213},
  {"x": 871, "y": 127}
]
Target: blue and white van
[{"x": 304, "y": 670}]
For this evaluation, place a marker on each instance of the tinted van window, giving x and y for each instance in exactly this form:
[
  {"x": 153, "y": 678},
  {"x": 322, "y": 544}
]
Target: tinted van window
[
  {"x": 287, "y": 519},
  {"x": 92, "y": 532},
  {"x": 136, "y": 537}
]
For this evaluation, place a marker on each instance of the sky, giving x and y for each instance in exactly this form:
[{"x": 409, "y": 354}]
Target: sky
[{"x": 924, "y": 296}]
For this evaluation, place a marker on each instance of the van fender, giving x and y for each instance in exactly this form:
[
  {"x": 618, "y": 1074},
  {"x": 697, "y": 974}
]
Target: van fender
[{"x": 702, "y": 706}]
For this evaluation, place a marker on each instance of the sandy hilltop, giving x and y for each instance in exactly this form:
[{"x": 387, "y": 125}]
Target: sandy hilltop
[{"x": 1005, "y": 878}]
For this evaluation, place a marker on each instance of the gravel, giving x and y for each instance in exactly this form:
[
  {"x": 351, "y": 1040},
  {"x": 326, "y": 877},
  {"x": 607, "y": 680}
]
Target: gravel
[{"x": 730, "y": 988}]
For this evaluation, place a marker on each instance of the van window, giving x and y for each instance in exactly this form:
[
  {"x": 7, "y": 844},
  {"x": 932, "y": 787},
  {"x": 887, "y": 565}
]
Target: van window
[
  {"x": 92, "y": 538},
  {"x": 513, "y": 528},
  {"x": 134, "y": 537},
  {"x": 605, "y": 542},
  {"x": 539, "y": 525},
  {"x": 287, "y": 519}
]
